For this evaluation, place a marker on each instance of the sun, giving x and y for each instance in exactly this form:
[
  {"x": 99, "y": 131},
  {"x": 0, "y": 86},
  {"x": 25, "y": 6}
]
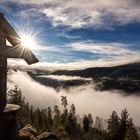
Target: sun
[{"x": 28, "y": 41}]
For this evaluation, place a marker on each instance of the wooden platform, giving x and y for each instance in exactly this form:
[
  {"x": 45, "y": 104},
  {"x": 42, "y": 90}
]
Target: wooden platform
[{"x": 11, "y": 108}]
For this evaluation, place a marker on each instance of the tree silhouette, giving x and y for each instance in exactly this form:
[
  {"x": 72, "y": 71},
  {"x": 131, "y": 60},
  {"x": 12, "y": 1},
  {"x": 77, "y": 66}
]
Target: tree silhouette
[{"x": 114, "y": 126}]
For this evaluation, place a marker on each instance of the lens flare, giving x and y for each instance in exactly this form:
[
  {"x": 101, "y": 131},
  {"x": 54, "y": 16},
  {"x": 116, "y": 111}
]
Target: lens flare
[{"x": 28, "y": 41}]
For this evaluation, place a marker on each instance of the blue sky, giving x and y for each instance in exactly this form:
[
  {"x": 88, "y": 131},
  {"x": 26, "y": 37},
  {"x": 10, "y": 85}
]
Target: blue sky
[{"x": 75, "y": 31}]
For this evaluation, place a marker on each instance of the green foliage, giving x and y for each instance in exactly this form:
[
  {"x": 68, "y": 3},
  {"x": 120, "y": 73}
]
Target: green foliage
[
  {"x": 86, "y": 124},
  {"x": 16, "y": 97},
  {"x": 121, "y": 128},
  {"x": 114, "y": 126},
  {"x": 95, "y": 134},
  {"x": 65, "y": 123}
]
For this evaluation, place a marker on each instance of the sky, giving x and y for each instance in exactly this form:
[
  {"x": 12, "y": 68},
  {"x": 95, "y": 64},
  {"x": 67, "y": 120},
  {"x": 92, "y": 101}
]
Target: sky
[{"x": 84, "y": 32}]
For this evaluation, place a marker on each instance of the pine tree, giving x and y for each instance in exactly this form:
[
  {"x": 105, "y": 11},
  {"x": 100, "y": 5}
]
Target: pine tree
[
  {"x": 114, "y": 126},
  {"x": 44, "y": 111},
  {"x": 64, "y": 104},
  {"x": 90, "y": 119},
  {"x": 56, "y": 117},
  {"x": 98, "y": 124},
  {"x": 131, "y": 132},
  {"x": 72, "y": 121},
  {"x": 86, "y": 123},
  {"x": 49, "y": 119},
  {"x": 32, "y": 114},
  {"x": 15, "y": 97},
  {"x": 64, "y": 115},
  {"x": 39, "y": 115},
  {"x": 124, "y": 123}
]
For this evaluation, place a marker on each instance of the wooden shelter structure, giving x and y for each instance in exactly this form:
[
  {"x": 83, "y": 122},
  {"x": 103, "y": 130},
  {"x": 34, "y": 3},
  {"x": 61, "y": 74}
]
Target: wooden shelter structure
[
  {"x": 8, "y": 123},
  {"x": 14, "y": 51}
]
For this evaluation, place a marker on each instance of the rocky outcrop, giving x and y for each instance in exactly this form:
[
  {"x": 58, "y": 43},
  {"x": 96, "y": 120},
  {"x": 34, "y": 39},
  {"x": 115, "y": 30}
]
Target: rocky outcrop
[
  {"x": 47, "y": 136},
  {"x": 25, "y": 135},
  {"x": 30, "y": 129},
  {"x": 29, "y": 133}
]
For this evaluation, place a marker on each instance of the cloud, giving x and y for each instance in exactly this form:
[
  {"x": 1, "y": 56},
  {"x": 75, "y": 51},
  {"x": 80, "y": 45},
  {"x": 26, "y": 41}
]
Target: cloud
[
  {"x": 64, "y": 77},
  {"x": 107, "y": 49},
  {"x": 109, "y": 54},
  {"x": 92, "y": 13},
  {"x": 81, "y": 13},
  {"x": 80, "y": 64},
  {"x": 34, "y": 92},
  {"x": 85, "y": 98}
]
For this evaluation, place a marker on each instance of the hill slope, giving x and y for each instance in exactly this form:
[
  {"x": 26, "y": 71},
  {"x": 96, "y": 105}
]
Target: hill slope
[{"x": 124, "y": 77}]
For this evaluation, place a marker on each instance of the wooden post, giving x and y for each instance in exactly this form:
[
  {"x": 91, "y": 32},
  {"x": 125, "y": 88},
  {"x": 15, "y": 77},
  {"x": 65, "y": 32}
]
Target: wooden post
[
  {"x": 8, "y": 122},
  {"x": 3, "y": 69}
]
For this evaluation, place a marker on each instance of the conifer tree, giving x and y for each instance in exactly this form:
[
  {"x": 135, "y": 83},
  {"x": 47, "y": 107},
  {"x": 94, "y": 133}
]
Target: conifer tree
[
  {"x": 86, "y": 123},
  {"x": 56, "y": 117},
  {"x": 131, "y": 132},
  {"x": 124, "y": 123},
  {"x": 64, "y": 115},
  {"x": 64, "y": 104},
  {"x": 49, "y": 119},
  {"x": 72, "y": 121},
  {"x": 32, "y": 114},
  {"x": 114, "y": 126},
  {"x": 90, "y": 119},
  {"x": 15, "y": 97}
]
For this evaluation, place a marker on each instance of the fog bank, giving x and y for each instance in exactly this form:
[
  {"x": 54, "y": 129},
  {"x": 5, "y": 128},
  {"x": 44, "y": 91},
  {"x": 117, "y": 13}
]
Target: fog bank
[{"x": 85, "y": 98}]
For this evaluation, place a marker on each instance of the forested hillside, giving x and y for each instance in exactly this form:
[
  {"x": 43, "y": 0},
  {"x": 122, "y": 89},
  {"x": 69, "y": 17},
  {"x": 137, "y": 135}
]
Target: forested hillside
[
  {"x": 65, "y": 124},
  {"x": 125, "y": 78}
]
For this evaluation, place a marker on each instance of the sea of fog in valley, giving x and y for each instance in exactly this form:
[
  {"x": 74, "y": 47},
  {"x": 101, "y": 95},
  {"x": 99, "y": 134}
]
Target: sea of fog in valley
[{"x": 85, "y": 97}]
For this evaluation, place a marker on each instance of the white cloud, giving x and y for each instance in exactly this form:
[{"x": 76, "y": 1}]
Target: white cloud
[
  {"x": 80, "y": 64},
  {"x": 65, "y": 78},
  {"x": 111, "y": 54},
  {"x": 85, "y": 13},
  {"x": 113, "y": 49},
  {"x": 32, "y": 90},
  {"x": 101, "y": 13}
]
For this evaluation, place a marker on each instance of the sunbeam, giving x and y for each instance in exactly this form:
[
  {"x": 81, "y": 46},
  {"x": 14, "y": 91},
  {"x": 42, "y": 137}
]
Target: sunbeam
[{"x": 28, "y": 41}]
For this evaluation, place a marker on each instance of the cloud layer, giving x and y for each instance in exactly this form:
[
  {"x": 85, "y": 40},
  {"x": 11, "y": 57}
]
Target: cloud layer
[
  {"x": 81, "y": 13},
  {"x": 102, "y": 54},
  {"x": 114, "y": 49},
  {"x": 101, "y": 13},
  {"x": 86, "y": 99}
]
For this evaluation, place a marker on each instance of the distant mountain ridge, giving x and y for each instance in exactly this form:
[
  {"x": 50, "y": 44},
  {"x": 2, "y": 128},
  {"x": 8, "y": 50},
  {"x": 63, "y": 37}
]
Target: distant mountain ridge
[
  {"x": 128, "y": 70},
  {"x": 125, "y": 78}
]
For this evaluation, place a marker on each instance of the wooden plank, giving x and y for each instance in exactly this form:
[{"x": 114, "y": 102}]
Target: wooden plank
[
  {"x": 10, "y": 33},
  {"x": 3, "y": 72},
  {"x": 21, "y": 52}
]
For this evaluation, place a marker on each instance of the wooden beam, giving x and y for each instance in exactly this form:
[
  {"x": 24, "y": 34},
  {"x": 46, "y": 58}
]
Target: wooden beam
[
  {"x": 3, "y": 71},
  {"x": 10, "y": 33},
  {"x": 21, "y": 52}
]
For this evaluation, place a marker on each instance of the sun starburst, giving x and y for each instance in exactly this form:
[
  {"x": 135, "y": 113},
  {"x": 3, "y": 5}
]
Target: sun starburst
[{"x": 28, "y": 41}]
